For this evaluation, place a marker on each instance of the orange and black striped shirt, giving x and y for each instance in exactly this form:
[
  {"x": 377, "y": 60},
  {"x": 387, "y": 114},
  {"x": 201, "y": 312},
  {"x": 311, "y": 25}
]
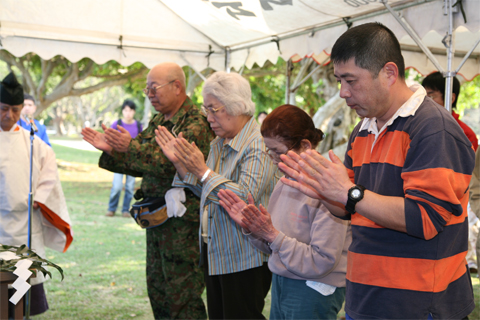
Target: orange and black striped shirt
[{"x": 425, "y": 158}]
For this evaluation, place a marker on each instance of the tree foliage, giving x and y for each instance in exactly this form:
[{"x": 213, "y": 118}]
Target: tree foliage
[
  {"x": 51, "y": 80},
  {"x": 268, "y": 85},
  {"x": 469, "y": 95}
]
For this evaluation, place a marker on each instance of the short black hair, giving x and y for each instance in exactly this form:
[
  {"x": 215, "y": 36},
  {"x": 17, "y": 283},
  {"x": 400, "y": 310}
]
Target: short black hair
[
  {"x": 129, "y": 103},
  {"x": 372, "y": 45},
  {"x": 26, "y": 96},
  {"x": 436, "y": 81},
  {"x": 262, "y": 112}
]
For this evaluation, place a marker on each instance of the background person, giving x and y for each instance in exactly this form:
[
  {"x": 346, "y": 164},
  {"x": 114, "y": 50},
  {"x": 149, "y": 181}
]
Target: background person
[
  {"x": 29, "y": 109},
  {"x": 236, "y": 274},
  {"x": 133, "y": 127},
  {"x": 307, "y": 245},
  {"x": 261, "y": 116},
  {"x": 174, "y": 281},
  {"x": 401, "y": 185},
  {"x": 434, "y": 84},
  {"x": 50, "y": 224},
  {"x": 475, "y": 195}
]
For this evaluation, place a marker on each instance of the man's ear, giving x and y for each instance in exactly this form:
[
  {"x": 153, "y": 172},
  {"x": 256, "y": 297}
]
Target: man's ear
[
  {"x": 391, "y": 73},
  {"x": 454, "y": 97},
  {"x": 177, "y": 86}
]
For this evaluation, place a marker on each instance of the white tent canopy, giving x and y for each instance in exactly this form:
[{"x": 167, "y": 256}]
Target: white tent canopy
[{"x": 225, "y": 34}]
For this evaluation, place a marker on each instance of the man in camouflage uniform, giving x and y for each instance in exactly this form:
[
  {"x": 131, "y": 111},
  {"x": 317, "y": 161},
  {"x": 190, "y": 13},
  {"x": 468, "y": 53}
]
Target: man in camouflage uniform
[{"x": 174, "y": 280}]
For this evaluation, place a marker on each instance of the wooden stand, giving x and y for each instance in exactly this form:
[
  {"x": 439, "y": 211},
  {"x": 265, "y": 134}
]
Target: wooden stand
[{"x": 7, "y": 278}]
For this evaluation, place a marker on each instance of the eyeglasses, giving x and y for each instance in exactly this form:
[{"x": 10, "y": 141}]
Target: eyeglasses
[
  {"x": 274, "y": 155},
  {"x": 153, "y": 90},
  {"x": 206, "y": 111}
]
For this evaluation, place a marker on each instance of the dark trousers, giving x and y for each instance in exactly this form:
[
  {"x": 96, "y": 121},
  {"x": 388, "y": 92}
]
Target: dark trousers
[
  {"x": 174, "y": 280},
  {"x": 239, "y": 295},
  {"x": 38, "y": 300}
]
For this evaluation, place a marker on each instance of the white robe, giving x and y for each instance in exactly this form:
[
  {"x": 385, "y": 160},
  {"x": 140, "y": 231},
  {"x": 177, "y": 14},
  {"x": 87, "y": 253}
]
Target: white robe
[{"x": 51, "y": 222}]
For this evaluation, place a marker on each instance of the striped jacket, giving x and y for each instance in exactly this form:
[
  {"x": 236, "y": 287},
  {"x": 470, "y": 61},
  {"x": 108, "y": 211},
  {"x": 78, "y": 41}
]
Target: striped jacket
[
  {"x": 244, "y": 168},
  {"x": 424, "y": 157}
]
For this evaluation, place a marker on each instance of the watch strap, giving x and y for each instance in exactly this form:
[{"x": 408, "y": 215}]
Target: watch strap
[{"x": 351, "y": 202}]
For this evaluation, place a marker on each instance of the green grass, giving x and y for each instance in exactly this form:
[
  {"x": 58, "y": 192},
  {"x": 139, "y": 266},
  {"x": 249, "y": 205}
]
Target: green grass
[
  {"x": 105, "y": 265},
  {"x": 476, "y": 291},
  {"x": 76, "y": 156}
]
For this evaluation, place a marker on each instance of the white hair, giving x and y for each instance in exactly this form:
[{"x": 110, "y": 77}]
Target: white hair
[{"x": 232, "y": 90}]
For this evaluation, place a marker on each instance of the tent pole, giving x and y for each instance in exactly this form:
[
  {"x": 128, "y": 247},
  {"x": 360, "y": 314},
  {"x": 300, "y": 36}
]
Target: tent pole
[
  {"x": 243, "y": 67},
  {"x": 447, "y": 41},
  {"x": 298, "y": 79},
  {"x": 190, "y": 65},
  {"x": 310, "y": 74},
  {"x": 227, "y": 59},
  {"x": 467, "y": 55},
  {"x": 413, "y": 35},
  {"x": 287, "y": 84}
]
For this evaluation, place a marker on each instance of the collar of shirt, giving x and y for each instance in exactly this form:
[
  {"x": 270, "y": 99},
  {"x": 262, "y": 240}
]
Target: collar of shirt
[
  {"x": 186, "y": 105},
  {"x": 15, "y": 127},
  {"x": 238, "y": 141},
  {"x": 177, "y": 119},
  {"x": 407, "y": 109}
]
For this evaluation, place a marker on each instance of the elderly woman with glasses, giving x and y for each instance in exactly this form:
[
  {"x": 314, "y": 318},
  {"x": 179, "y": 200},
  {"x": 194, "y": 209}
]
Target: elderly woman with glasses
[
  {"x": 236, "y": 274},
  {"x": 307, "y": 245}
]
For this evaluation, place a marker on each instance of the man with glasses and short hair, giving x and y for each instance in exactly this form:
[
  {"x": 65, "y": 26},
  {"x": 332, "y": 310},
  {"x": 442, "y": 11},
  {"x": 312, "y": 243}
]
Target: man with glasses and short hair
[{"x": 174, "y": 280}]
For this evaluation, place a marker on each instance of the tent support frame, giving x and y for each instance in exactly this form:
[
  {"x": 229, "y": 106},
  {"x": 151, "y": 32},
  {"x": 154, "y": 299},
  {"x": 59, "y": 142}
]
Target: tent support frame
[
  {"x": 447, "y": 41},
  {"x": 288, "y": 79},
  {"x": 467, "y": 55},
  {"x": 196, "y": 71},
  {"x": 401, "y": 20},
  {"x": 311, "y": 30},
  {"x": 297, "y": 85},
  {"x": 228, "y": 53}
]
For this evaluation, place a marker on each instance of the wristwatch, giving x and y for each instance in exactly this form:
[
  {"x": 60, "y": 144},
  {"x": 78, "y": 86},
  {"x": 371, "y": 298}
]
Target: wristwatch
[{"x": 355, "y": 194}]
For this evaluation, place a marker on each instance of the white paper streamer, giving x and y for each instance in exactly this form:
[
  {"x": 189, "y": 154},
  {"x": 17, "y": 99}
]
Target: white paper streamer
[{"x": 21, "y": 284}]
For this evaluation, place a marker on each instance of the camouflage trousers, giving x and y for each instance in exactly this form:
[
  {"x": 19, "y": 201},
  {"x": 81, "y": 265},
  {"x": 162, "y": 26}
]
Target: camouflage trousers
[{"x": 174, "y": 280}]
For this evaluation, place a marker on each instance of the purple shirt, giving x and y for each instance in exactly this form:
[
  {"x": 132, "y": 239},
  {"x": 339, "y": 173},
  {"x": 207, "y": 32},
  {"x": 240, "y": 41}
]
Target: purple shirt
[{"x": 131, "y": 128}]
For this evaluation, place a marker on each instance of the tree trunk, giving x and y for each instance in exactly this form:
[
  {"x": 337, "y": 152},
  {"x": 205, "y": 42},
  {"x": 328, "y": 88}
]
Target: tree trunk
[
  {"x": 58, "y": 121},
  {"x": 334, "y": 118}
]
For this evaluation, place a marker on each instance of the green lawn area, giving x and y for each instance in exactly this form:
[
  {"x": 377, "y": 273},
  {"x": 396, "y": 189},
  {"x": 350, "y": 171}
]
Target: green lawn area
[{"x": 105, "y": 265}]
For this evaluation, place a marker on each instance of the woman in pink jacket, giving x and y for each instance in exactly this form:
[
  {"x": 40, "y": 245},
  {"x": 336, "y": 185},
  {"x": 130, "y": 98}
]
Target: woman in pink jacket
[{"x": 307, "y": 245}]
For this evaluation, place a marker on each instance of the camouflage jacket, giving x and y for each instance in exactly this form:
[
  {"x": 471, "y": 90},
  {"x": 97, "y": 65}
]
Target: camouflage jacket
[{"x": 145, "y": 158}]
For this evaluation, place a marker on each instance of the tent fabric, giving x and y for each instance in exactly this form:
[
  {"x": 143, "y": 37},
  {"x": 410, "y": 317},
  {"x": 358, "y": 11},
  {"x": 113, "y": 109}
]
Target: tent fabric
[{"x": 222, "y": 34}]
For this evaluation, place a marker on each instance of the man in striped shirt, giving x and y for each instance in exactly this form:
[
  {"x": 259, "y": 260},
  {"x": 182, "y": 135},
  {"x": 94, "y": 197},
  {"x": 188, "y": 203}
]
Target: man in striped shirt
[{"x": 404, "y": 185}]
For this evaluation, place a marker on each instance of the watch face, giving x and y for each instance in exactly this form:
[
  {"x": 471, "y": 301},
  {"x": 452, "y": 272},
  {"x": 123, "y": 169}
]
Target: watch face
[{"x": 356, "y": 193}]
